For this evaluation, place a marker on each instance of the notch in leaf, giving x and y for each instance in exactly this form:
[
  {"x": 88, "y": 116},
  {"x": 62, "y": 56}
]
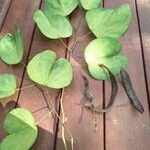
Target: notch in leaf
[
  {"x": 48, "y": 71},
  {"x": 90, "y": 4},
  {"x": 7, "y": 85},
  {"x": 130, "y": 91},
  {"x": 104, "y": 51},
  {"x": 12, "y": 47},
  {"x": 109, "y": 22},
  {"x": 21, "y": 128}
]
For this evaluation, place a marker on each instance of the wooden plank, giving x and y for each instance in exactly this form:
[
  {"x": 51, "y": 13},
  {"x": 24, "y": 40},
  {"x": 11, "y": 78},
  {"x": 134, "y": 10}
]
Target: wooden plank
[
  {"x": 20, "y": 13},
  {"x": 126, "y": 128},
  {"x": 4, "y": 6},
  {"x": 82, "y": 131},
  {"x": 143, "y": 8},
  {"x": 33, "y": 99}
]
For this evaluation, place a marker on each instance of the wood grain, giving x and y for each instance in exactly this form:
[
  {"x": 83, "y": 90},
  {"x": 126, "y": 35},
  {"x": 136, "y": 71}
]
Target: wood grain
[
  {"x": 33, "y": 99},
  {"x": 20, "y": 13},
  {"x": 143, "y": 8},
  {"x": 82, "y": 130},
  {"x": 126, "y": 128},
  {"x": 4, "y": 6}
]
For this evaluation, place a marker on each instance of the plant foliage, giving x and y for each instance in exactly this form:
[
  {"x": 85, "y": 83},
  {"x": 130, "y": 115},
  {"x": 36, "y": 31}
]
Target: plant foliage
[
  {"x": 7, "y": 85},
  {"x": 21, "y": 128},
  {"x": 12, "y": 47},
  {"x": 48, "y": 71}
]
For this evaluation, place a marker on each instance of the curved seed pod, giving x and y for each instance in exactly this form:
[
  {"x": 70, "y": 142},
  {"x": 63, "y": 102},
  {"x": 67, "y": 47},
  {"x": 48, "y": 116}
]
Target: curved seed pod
[
  {"x": 114, "y": 92},
  {"x": 130, "y": 91}
]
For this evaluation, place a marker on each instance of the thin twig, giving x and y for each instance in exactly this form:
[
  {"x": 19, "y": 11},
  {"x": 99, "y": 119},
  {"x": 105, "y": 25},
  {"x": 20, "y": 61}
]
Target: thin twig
[
  {"x": 25, "y": 87},
  {"x": 63, "y": 119},
  {"x": 50, "y": 112},
  {"x": 65, "y": 45},
  {"x": 54, "y": 111}
]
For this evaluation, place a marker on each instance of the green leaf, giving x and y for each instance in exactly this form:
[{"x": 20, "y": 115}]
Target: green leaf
[
  {"x": 90, "y": 4},
  {"x": 60, "y": 7},
  {"x": 53, "y": 26},
  {"x": 7, "y": 85},
  {"x": 109, "y": 22},
  {"x": 104, "y": 51},
  {"x": 11, "y": 47},
  {"x": 46, "y": 70},
  {"x": 21, "y": 129},
  {"x": 101, "y": 47},
  {"x": 114, "y": 64}
]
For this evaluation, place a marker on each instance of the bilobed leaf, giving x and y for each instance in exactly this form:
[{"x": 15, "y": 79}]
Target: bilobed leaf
[
  {"x": 53, "y": 26},
  {"x": 109, "y": 22},
  {"x": 21, "y": 129},
  {"x": 7, "y": 85},
  {"x": 104, "y": 51},
  {"x": 60, "y": 7},
  {"x": 11, "y": 47},
  {"x": 48, "y": 71},
  {"x": 101, "y": 47},
  {"x": 90, "y": 4}
]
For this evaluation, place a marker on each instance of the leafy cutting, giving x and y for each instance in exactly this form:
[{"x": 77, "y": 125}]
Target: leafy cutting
[
  {"x": 90, "y": 4},
  {"x": 109, "y": 22},
  {"x": 21, "y": 128},
  {"x": 7, "y": 85},
  {"x": 48, "y": 71},
  {"x": 104, "y": 51},
  {"x": 12, "y": 47}
]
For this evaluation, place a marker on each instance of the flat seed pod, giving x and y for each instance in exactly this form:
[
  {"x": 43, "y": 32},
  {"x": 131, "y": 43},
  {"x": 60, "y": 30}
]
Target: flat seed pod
[
  {"x": 7, "y": 85},
  {"x": 135, "y": 101},
  {"x": 90, "y": 4},
  {"x": 12, "y": 47},
  {"x": 53, "y": 26},
  {"x": 109, "y": 22},
  {"x": 48, "y": 71},
  {"x": 21, "y": 129},
  {"x": 61, "y": 7}
]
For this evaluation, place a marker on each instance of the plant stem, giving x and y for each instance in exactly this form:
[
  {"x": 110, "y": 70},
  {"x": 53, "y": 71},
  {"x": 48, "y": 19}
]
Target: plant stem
[
  {"x": 25, "y": 87},
  {"x": 50, "y": 112},
  {"x": 23, "y": 64},
  {"x": 65, "y": 45},
  {"x": 63, "y": 119}
]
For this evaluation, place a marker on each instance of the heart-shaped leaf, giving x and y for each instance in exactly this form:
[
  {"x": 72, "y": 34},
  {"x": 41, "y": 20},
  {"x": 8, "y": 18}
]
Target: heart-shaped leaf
[
  {"x": 90, "y": 4},
  {"x": 7, "y": 85},
  {"x": 104, "y": 51},
  {"x": 61, "y": 7},
  {"x": 21, "y": 129},
  {"x": 44, "y": 69},
  {"x": 109, "y": 22},
  {"x": 53, "y": 26},
  {"x": 11, "y": 47},
  {"x": 101, "y": 47}
]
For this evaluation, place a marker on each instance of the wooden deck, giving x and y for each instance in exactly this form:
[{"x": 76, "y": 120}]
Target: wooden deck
[{"x": 122, "y": 128}]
